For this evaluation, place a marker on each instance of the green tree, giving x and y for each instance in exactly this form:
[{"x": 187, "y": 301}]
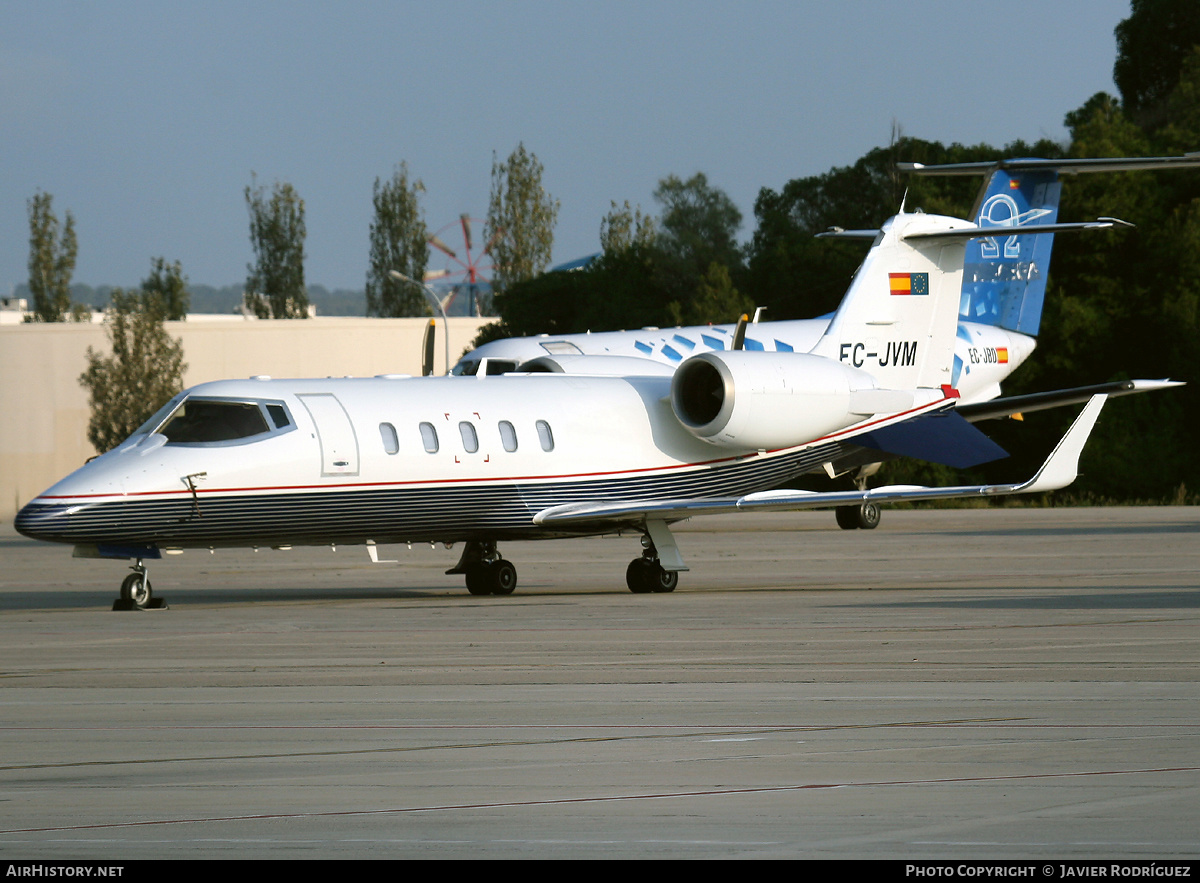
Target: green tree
[
  {"x": 624, "y": 227},
  {"x": 398, "y": 242},
  {"x": 275, "y": 287},
  {"x": 675, "y": 270},
  {"x": 619, "y": 290},
  {"x": 1152, "y": 45},
  {"x": 521, "y": 218},
  {"x": 698, "y": 224},
  {"x": 716, "y": 300},
  {"x": 52, "y": 250},
  {"x": 695, "y": 252},
  {"x": 167, "y": 282},
  {"x": 144, "y": 370}
]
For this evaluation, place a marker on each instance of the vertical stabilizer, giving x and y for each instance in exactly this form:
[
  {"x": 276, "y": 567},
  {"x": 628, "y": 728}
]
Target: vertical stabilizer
[
  {"x": 1004, "y": 278},
  {"x": 900, "y": 315}
]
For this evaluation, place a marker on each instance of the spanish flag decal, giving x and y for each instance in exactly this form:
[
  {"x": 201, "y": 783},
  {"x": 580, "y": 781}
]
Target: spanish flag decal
[
  {"x": 909, "y": 283},
  {"x": 1002, "y": 355}
]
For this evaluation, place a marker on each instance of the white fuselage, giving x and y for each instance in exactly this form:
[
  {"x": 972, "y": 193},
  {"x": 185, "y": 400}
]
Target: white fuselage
[
  {"x": 986, "y": 354},
  {"x": 406, "y": 459}
]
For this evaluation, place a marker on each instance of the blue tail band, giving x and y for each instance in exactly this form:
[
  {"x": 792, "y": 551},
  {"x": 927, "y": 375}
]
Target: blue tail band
[{"x": 1004, "y": 280}]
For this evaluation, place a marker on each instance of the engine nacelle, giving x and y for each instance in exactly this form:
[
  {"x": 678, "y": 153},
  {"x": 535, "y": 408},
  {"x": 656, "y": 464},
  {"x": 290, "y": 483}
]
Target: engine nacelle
[{"x": 763, "y": 400}]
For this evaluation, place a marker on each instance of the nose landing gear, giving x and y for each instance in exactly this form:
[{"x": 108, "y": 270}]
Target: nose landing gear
[{"x": 136, "y": 593}]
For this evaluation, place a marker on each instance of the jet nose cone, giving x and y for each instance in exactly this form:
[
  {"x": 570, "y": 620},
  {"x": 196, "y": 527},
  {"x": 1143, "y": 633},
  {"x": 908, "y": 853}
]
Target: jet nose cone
[{"x": 43, "y": 521}]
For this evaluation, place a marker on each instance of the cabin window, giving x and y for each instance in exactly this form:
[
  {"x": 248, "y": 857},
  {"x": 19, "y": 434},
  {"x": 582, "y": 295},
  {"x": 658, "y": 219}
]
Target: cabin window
[
  {"x": 200, "y": 420},
  {"x": 429, "y": 438},
  {"x": 470, "y": 439},
  {"x": 508, "y": 436},
  {"x": 391, "y": 441},
  {"x": 545, "y": 436}
]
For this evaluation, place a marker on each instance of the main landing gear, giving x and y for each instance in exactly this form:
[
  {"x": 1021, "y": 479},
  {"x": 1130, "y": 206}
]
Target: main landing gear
[
  {"x": 647, "y": 574},
  {"x": 136, "y": 593},
  {"x": 865, "y": 516},
  {"x": 657, "y": 570},
  {"x": 644, "y": 575},
  {"x": 486, "y": 572}
]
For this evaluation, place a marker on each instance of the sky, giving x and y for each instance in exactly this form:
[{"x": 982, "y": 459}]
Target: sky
[{"x": 147, "y": 120}]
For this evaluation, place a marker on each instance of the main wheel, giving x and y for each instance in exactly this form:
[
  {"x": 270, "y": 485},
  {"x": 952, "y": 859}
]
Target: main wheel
[
  {"x": 847, "y": 517},
  {"x": 136, "y": 588},
  {"x": 665, "y": 580},
  {"x": 503, "y": 577},
  {"x": 477, "y": 581},
  {"x": 637, "y": 576},
  {"x": 867, "y": 515},
  {"x": 644, "y": 576},
  {"x": 496, "y": 578}
]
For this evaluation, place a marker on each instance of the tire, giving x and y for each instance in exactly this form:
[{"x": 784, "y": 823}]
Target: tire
[
  {"x": 477, "y": 581},
  {"x": 644, "y": 576},
  {"x": 136, "y": 588},
  {"x": 847, "y": 517},
  {"x": 497, "y": 578},
  {"x": 637, "y": 576},
  {"x": 503, "y": 577},
  {"x": 867, "y": 516}
]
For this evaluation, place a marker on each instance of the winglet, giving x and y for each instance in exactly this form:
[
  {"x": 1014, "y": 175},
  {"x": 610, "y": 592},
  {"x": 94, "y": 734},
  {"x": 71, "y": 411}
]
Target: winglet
[{"x": 1062, "y": 466}]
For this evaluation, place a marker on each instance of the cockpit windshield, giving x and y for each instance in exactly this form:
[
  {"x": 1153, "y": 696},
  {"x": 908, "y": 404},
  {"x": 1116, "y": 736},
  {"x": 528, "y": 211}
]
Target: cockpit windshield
[
  {"x": 195, "y": 420},
  {"x": 205, "y": 420}
]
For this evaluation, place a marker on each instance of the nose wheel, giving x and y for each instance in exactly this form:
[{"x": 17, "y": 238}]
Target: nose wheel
[{"x": 136, "y": 593}]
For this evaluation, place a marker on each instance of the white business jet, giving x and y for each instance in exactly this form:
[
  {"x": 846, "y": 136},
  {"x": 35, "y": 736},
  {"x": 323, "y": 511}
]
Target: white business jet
[
  {"x": 484, "y": 459},
  {"x": 999, "y": 314}
]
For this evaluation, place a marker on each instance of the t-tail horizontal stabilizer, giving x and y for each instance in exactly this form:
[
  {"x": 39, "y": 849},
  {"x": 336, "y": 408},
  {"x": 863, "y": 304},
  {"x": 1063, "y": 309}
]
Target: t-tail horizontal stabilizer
[{"x": 1059, "y": 470}]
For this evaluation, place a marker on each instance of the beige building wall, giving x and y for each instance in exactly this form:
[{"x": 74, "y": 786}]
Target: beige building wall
[{"x": 44, "y": 410}]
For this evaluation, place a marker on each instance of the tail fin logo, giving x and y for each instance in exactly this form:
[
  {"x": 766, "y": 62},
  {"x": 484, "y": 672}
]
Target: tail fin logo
[
  {"x": 914, "y": 284},
  {"x": 1001, "y": 210}
]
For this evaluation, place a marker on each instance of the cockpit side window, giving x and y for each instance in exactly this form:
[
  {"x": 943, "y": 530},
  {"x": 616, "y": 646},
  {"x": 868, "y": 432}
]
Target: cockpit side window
[{"x": 279, "y": 416}]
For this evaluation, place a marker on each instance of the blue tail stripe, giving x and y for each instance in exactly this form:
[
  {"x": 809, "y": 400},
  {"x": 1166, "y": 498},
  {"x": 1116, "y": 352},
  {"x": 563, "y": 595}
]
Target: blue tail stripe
[{"x": 1004, "y": 280}]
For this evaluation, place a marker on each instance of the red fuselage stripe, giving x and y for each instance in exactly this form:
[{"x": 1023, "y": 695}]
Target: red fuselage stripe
[{"x": 497, "y": 480}]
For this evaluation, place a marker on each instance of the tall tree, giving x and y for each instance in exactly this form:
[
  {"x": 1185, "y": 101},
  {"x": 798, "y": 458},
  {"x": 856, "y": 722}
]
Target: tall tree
[
  {"x": 624, "y": 227},
  {"x": 715, "y": 300},
  {"x": 696, "y": 252},
  {"x": 141, "y": 374},
  {"x": 52, "y": 252},
  {"x": 521, "y": 218},
  {"x": 1152, "y": 45},
  {"x": 698, "y": 224},
  {"x": 167, "y": 282},
  {"x": 275, "y": 287},
  {"x": 398, "y": 242}
]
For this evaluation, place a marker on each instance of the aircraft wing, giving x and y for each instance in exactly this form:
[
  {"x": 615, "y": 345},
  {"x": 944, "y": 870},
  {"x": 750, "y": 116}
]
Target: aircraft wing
[
  {"x": 1059, "y": 470},
  {"x": 1041, "y": 401}
]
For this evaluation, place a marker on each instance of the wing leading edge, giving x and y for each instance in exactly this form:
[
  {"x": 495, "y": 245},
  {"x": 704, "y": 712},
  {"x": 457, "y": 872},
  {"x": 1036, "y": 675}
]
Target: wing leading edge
[{"x": 1059, "y": 470}]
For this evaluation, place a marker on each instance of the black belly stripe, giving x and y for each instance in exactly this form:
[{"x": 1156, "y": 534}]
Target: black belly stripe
[{"x": 395, "y": 514}]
